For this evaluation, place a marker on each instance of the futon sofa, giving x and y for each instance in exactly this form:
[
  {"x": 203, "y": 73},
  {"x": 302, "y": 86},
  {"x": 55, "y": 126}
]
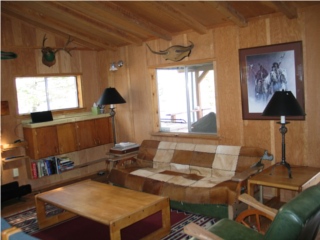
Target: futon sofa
[{"x": 199, "y": 178}]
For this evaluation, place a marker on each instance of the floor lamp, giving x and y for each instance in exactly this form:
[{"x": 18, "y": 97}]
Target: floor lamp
[
  {"x": 283, "y": 104},
  {"x": 111, "y": 96}
]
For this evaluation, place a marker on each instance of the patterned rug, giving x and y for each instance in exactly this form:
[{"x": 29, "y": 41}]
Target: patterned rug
[{"x": 27, "y": 221}]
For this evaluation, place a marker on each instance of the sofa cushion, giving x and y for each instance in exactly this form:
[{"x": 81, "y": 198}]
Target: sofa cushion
[{"x": 147, "y": 151}]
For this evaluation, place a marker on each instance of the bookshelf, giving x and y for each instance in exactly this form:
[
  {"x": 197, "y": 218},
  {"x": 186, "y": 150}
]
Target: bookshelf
[{"x": 31, "y": 171}]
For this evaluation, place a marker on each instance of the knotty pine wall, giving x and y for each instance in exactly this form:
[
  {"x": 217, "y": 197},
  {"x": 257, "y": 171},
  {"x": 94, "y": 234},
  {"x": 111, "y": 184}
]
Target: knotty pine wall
[
  {"x": 23, "y": 39},
  {"x": 137, "y": 119}
]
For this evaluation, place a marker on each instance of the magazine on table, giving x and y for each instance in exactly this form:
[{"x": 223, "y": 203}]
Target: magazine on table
[{"x": 125, "y": 146}]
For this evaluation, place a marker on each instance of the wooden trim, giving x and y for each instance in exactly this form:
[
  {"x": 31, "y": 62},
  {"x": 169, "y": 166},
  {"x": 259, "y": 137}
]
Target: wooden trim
[
  {"x": 5, "y": 108},
  {"x": 186, "y": 135},
  {"x": 183, "y": 63}
]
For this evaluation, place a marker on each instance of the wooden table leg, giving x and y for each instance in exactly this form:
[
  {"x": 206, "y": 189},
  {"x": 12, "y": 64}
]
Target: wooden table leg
[
  {"x": 251, "y": 189},
  {"x": 166, "y": 223},
  {"x": 166, "y": 220},
  {"x": 44, "y": 221},
  {"x": 114, "y": 233},
  {"x": 41, "y": 212}
]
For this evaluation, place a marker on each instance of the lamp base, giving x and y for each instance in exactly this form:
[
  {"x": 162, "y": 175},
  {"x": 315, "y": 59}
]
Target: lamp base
[
  {"x": 284, "y": 163},
  {"x": 283, "y": 130},
  {"x": 113, "y": 114}
]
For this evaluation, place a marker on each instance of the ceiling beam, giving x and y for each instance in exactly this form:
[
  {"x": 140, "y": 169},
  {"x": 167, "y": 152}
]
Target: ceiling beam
[
  {"x": 229, "y": 12},
  {"x": 92, "y": 44},
  {"x": 82, "y": 21},
  {"x": 171, "y": 9},
  {"x": 123, "y": 15},
  {"x": 38, "y": 20},
  {"x": 286, "y": 8}
]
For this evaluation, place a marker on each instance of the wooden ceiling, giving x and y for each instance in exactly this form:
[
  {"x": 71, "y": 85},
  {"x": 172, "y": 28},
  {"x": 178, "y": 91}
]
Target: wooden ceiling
[{"x": 99, "y": 25}]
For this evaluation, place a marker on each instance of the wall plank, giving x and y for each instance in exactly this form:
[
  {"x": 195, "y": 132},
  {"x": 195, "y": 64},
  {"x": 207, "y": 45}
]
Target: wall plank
[{"x": 311, "y": 58}]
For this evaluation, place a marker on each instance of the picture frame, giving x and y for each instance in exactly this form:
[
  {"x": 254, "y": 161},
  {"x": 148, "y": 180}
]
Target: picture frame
[{"x": 266, "y": 69}]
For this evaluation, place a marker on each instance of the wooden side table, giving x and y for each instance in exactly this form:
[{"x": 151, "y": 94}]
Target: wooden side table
[
  {"x": 277, "y": 177},
  {"x": 114, "y": 159}
]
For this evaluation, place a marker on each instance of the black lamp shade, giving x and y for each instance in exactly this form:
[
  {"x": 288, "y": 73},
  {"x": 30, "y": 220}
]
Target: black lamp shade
[
  {"x": 110, "y": 96},
  {"x": 283, "y": 103}
]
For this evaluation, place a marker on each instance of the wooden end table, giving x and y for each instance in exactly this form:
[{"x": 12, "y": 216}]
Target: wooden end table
[
  {"x": 277, "y": 177},
  {"x": 119, "y": 159},
  {"x": 113, "y": 206}
]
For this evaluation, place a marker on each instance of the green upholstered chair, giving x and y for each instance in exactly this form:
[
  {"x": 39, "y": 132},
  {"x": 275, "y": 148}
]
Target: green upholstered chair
[{"x": 297, "y": 219}]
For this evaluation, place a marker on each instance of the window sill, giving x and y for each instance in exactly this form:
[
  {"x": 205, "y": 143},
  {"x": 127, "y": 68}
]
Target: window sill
[{"x": 186, "y": 135}]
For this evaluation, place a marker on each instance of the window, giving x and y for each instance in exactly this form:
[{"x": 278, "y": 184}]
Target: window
[
  {"x": 37, "y": 94},
  {"x": 187, "y": 99}
]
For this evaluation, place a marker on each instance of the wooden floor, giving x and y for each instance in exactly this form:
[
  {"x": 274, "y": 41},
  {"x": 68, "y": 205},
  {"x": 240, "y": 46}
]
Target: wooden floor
[{"x": 27, "y": 202}]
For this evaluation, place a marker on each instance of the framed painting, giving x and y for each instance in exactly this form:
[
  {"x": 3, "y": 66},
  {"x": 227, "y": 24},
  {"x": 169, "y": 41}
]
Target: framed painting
[{"x": 264, "y": 70}]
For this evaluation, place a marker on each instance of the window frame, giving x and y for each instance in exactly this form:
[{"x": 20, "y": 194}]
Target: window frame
[
  {"x": 155, "y": 103},
  {"x": 62, "y": 111}
]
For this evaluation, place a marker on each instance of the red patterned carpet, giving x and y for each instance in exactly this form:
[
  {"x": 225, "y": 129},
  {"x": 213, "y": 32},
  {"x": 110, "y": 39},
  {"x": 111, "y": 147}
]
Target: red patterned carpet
[{"x": 81, "y": 228}]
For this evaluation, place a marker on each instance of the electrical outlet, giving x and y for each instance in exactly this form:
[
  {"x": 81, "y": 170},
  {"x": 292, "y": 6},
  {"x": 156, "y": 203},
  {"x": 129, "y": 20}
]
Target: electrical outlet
[{"x": 15, "y": 172}]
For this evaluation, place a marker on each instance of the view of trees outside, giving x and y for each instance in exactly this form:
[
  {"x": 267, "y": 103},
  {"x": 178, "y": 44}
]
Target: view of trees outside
[
  {"x": 179, "y": 103},
  {"x": 37, "y": 94}
]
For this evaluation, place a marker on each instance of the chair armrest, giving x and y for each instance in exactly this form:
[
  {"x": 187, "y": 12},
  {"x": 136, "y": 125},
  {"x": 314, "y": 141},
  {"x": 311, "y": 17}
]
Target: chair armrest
[
  {"x": 255, "y": 168},
  {"x": 195, "y": 230},
  {"x": 242, "y": 176},
  {"x": 252, "y": 202},
  {"x": 5, "y": 234}
]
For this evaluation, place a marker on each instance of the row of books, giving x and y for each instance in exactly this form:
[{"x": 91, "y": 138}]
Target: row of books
[{"x": 49, "y": 166}]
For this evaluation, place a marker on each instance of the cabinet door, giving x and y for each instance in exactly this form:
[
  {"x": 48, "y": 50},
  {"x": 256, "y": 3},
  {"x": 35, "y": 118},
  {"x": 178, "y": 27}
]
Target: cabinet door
[
  {"x": 46, "y": 142},
  {"x": 85, "y": 134},
  {"x": 103, "y": 131},
  {"x": 29, "y": 136},
  {"x": 67, "y": 138}
]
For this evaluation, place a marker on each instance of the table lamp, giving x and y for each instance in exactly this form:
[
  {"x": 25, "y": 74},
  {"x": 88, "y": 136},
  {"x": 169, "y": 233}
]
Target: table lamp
[
  {"x": 283, "y": 104},
  {"x": 111, "y": 96}
]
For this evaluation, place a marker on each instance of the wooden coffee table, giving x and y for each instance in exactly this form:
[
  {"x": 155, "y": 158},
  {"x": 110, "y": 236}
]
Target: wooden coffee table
[{"x": 113, "y": 206}]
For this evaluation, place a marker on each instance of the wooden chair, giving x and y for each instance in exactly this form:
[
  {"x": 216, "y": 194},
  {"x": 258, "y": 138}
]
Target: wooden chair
[{"x": 297, "y": 219}]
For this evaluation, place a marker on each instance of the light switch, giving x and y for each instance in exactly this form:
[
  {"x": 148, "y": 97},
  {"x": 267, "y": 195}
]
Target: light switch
[{"x": 16, "y": 172}]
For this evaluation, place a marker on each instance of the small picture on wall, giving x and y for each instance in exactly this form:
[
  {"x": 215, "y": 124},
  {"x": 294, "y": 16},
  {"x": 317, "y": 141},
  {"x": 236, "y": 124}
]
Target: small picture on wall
[{"x": 265, "y": 70}]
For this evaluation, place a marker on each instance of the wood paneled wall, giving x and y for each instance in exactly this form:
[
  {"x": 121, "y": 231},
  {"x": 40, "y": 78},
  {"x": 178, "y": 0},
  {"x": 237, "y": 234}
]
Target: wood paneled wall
[
  {"x": 24, "y": 39},
  {"x": 136, "y": 120},
  {"x": 221, "y": 45}
]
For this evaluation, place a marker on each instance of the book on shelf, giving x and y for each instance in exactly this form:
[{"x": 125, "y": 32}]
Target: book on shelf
[
  {"x": 50, "y": 166},
  {"x": 34, "y": 170}
]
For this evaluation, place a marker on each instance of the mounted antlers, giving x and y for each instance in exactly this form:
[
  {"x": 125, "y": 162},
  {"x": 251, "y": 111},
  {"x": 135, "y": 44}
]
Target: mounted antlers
[{"x": 48, "y": 53}]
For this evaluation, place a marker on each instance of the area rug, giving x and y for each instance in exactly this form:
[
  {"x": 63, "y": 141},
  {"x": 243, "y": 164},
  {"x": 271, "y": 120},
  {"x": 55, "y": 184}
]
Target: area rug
[{"x": 82, "y": 228}]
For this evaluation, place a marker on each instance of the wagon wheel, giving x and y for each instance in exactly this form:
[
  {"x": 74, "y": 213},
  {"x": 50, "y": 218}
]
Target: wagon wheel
[{"x": 255, "y": 219}]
